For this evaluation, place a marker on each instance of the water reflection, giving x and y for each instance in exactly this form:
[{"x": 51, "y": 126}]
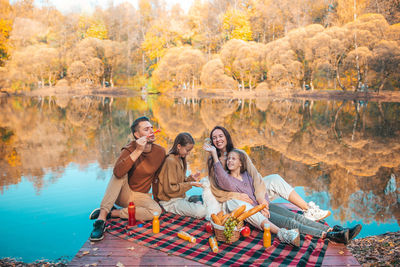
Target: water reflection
[{"x": 351, "y": 150}]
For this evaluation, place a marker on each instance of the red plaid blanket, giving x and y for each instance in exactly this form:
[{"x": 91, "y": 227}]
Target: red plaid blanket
[{"x": 246, "y": 251}]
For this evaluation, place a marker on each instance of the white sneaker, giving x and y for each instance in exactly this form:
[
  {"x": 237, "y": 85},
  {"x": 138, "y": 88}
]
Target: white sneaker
[
  {"x": 291, "y": 237},
  {"x": 314, "y": 213}
]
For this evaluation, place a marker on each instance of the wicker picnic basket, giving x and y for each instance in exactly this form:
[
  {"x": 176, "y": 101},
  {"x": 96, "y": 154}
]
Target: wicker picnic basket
[{"x": 219, "y": 232}]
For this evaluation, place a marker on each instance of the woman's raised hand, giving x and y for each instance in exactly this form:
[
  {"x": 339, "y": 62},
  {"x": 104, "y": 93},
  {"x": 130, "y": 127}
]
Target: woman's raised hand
[{"x": 209, "y": 148}]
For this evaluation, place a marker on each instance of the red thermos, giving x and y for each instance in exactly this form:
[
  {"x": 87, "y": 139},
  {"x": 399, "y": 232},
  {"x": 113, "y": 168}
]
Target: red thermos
[{"x": 131, "y": 213}]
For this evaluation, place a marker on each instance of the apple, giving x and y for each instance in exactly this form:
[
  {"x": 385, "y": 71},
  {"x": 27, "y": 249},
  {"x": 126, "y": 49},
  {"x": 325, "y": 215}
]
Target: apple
[
  {"x": 209, "y": 227},
  {"x": 245, "y": 231}
]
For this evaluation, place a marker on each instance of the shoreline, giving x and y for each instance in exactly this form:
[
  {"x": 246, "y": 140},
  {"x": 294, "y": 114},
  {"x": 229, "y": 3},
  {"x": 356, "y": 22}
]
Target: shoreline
[
  {"x": 378, "y": 250},
  {"x": 383, "y": 96}
]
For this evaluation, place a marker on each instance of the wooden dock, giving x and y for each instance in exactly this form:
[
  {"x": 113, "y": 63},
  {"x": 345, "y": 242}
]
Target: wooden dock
[{"x": 115, "y": 251}]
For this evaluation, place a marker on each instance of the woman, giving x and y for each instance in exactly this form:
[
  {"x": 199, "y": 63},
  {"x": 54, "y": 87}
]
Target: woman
[
  {"x": 173, "y": 182},
  {"x": 239, "y": 180},
  {"x": 274, "y": 184}
]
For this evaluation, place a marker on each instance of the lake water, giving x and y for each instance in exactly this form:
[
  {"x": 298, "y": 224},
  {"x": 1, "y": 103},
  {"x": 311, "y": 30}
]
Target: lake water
[{"x": 57, "y": 154}]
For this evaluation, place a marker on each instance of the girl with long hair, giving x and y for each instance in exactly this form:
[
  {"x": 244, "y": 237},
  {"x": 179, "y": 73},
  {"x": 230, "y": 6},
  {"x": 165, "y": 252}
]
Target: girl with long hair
[{"x": 173, "y": 182}]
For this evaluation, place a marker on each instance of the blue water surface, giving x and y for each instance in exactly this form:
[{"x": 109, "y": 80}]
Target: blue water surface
[{"x": 52, "y": 223}]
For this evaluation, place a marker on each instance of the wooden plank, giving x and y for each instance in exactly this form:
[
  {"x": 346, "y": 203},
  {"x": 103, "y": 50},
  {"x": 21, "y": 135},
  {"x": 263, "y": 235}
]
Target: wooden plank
[
  {"x": 112, "y": 250},
  {"x": 340, "y": 261},
  {"x": 338, "y": 255}
]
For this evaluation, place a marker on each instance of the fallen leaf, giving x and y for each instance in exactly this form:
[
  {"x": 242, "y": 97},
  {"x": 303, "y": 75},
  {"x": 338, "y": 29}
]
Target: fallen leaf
[
  {"x": 341, "y": 252},
  {"x": 120, "y": 264},
  {"x": 95, "y": 249},
  {"x": 131, "y": 248},
  {"x": 85, "y": 252},
  {"x": 94, "y": 264}
]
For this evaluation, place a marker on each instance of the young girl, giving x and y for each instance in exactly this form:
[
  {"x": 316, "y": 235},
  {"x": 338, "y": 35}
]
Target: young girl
[
  {"x": 280, "y": 219},
  {"x": 173, "y": 182}
]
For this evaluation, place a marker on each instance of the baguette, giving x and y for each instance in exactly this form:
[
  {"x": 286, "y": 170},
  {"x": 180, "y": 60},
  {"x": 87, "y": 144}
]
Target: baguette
[
  {"x": 215, "y": 219},
  {"x": 238, "y": 211},
  {"x": 220, "y": 214},
  {"x": 224, "y": 218},
  {"x": 251, "y": 212}
]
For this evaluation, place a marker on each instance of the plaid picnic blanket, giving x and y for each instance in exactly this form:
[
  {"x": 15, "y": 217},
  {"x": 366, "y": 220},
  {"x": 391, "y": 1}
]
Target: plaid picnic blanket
[{"x": 246, "y": 251}]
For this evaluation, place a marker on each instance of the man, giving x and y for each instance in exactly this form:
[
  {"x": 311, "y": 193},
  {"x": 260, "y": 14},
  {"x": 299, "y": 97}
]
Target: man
[{"x": 134, "y": 172}]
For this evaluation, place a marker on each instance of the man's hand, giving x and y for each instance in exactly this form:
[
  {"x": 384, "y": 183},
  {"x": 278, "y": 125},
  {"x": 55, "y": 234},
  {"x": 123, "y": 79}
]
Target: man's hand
[{"x": 141, "y": 143}]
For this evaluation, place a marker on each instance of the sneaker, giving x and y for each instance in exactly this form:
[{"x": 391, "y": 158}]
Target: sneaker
[
  {"x": 339, "y": 237},
  {"x": 353, "y": 231},
  {"x": 314, "y": 213},
  {"x": 291, "y": 237},
  {"x": 96, "y": 212},
  {"x": 99, "y": 227}
]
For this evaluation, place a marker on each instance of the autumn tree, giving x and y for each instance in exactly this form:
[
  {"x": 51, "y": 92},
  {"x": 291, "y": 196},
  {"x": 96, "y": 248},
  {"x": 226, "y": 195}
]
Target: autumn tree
[
  {"x": 114, "y": 59},
  {"x": 5, "y": 30},
  {"x": 181, "y": 66},
  {"x": 214, "y": 77},
  {"x": 388, "y": 8},
  {"x": 27, "y": 32},
  {"x": 205, "y": 26},
  {"x": 236, "y": 25},
  {"x": 348, "y": 10},
  {"x": 89, "y": 52},
  {"x": 386, "y": 62}
]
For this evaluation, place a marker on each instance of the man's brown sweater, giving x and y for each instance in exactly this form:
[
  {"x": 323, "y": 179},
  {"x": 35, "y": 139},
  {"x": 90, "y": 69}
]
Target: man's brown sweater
[{"x": 142, "y": 171}]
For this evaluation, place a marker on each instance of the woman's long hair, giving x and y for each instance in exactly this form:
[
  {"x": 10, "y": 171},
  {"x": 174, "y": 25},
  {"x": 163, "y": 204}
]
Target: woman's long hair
[
  {"x": 181, "y": 139},
  {"x": 229, "y": 146}
]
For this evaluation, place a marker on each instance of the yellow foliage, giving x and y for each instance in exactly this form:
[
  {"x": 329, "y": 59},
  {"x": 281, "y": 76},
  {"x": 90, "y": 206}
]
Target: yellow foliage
[
  {"x": 5, "y": 29},
  {"x": 97, "y": 30},
  {"x": 236, "y": 25},
  {"x": 137, "y": 103},
  {"x": 13, "y": 158},
  {"x": 91, "y": 27},
  {"x": 154, "y": 46}
]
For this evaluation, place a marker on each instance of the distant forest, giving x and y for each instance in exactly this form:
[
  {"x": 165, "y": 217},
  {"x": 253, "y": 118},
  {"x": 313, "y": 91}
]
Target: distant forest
[{"x": 351, "y": 45}]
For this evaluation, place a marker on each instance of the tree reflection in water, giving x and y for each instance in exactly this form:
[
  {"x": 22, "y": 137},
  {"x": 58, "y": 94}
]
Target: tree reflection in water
[{"x": 349, "y": 149}]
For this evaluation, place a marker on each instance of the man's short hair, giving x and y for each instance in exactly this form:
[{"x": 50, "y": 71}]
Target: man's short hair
[{"x": 135, "y": 124}]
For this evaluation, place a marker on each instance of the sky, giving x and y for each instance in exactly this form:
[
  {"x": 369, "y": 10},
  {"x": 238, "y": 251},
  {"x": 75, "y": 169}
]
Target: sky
[{"x": 66, "y": 6}]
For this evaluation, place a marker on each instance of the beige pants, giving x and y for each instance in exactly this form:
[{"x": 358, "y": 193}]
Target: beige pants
[
  {"x": 277, "y": 187},
  {"x": 183, "y": 207},
  {"x": 119, "y": 192}
]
